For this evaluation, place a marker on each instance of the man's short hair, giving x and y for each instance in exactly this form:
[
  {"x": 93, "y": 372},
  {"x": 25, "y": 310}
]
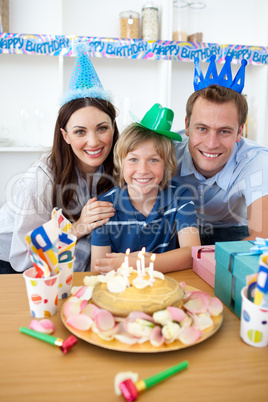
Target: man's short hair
[{"x": 219, "y": 94}]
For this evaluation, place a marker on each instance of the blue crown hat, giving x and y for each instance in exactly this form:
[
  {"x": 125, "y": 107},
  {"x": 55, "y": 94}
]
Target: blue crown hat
[
  {"x": 224, "y": 79},
  {"x": 84, "y": 82}
]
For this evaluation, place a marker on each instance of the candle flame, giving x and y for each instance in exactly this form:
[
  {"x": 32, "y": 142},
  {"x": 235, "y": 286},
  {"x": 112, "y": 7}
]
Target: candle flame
[
  {"x": 140, "y": 254},
  {"x": 143, "y": 250},
  {"x": 152, "y": 258},
  {"x": 128, "y": 251}
]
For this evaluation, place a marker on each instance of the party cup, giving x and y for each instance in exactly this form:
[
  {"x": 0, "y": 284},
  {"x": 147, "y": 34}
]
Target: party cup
[
  {"x": 66, "y": 278},
  {"x": 254, "y": 322},
  {"x": 42, "y": 293}
]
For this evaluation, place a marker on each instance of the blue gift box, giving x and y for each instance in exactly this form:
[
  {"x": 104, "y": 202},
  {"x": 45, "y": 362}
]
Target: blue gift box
[{"x": 234, "y": 261}]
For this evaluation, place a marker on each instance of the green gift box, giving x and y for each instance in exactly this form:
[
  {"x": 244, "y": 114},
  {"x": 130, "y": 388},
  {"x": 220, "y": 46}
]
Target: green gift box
[{"x": 234, "y": 261}]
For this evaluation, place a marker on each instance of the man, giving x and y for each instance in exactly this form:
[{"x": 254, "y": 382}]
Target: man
[{"x": 227, "y": 173}]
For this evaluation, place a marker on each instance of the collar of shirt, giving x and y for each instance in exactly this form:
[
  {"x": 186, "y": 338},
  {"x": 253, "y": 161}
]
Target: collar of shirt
[
  {"x": 82, "y": 192},
  {"x": 222, "y": 178},
  {"x": 121, "y": 200},
  {"x": 83, "y": 184}
]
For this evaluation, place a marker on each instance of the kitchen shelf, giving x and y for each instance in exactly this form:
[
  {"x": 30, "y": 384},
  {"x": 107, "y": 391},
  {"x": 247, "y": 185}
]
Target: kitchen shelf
[{"x": 23, "y": 149}]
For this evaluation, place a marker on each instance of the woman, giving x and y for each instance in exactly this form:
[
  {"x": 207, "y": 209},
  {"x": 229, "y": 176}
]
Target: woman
[{"x": 78, "y": 169}]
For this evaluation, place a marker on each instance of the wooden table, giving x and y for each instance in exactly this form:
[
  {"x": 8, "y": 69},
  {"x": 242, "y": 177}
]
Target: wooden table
[{"x": 222, "y": 368}]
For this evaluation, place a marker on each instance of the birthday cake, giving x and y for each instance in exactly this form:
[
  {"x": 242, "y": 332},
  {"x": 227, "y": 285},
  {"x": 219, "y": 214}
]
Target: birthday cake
[
  {"x": 134, "y": 309},
  {"x": 157, "y": 293}
]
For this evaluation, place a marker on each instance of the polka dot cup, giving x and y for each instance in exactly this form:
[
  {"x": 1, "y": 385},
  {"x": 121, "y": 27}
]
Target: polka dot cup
[
  {"x": 42, "y": 294},
  {"x": 254, "y": 322},
  {"x": 66, "y": 278}
]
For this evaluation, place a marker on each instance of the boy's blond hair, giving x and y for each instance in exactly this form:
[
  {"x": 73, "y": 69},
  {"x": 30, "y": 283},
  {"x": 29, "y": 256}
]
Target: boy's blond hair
[{"x": 135, "y": 135}]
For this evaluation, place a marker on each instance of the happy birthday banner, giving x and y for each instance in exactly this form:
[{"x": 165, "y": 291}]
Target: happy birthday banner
[{"x": 56, "y": 45}]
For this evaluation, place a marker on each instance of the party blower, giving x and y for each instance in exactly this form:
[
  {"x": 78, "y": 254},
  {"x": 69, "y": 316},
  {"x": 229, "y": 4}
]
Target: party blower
[
  {"x": 130, "y": 390},
  {"x": 65, "y": 345}
]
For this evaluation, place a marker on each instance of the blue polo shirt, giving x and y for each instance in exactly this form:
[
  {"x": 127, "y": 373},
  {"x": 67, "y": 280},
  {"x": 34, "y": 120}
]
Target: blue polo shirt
[{"x": 174, "y": 210}]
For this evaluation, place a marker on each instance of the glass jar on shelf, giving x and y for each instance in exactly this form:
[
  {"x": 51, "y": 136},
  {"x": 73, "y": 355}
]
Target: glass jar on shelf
[
  {"x": 180, "y": 20},
  {"x": 4, "y": 16},
  {"x": 149, "y": 24},
  {"x": 196, "y": 21},
  {"x": 129, "y": 24}
]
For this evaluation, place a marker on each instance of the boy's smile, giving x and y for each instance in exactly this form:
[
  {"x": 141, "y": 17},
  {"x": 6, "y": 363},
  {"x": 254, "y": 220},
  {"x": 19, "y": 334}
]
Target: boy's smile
[{"x": 143, "y": 171}]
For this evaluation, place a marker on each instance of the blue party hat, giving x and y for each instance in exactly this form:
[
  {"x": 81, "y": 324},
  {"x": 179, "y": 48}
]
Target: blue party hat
[
  {"x": 84, "y": 82},
  {"x": 224, "y": 79}
]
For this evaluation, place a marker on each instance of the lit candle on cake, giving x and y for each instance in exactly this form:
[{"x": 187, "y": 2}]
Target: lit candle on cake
[
  {"x": 139, "y": 263},
  {"x": 124, "y": 271},
  {"x": 143, "y": 261},
  {"x": 127, "y": 261},
  {"x": 151, "y": 267}
]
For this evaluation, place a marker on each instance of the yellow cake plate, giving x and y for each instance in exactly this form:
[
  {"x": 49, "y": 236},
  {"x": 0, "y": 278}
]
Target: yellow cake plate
[{"x": 146, "y": 347}]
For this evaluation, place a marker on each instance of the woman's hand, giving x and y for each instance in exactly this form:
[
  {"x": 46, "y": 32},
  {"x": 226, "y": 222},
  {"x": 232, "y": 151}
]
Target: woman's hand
[{"x": 94, "y": 214}]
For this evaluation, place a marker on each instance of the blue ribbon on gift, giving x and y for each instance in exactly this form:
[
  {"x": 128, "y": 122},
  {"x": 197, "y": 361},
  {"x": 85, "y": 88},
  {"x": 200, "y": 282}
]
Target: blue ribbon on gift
[{"x": 260, "y": 246}]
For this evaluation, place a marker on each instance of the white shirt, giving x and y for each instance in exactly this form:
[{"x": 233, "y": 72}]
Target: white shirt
[
  {"x": 222, "y": 200},
  {"x": 29, "y": 207}
]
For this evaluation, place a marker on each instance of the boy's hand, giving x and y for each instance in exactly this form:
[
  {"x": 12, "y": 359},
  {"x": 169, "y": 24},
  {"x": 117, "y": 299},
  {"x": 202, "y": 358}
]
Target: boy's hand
[{"x": 113, "y": 261}]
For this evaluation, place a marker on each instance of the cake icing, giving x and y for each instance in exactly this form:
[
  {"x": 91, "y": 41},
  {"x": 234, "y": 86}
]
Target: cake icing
[{"x": 159, "y": 294}]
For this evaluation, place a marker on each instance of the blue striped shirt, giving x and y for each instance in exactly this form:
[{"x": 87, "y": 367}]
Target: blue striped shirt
[{"x": 174, "y": 209}]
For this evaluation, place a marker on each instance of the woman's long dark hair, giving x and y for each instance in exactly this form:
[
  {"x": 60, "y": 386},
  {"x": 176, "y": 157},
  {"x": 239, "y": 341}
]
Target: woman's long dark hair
[{"x": 63, "y": 162}]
